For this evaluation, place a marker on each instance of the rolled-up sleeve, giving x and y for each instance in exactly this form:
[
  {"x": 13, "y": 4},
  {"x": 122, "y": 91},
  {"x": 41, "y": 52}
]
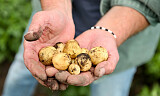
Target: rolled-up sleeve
[{"x": 149, "y": 8}]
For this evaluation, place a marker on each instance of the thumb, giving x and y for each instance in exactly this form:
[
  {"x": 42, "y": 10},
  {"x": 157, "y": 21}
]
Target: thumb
[
  {"x": 106, "y": 67},
  {"x": 35, "y": 28},
  {"x": 103, "y": 68},
  {"x": 33, "y": 35}
]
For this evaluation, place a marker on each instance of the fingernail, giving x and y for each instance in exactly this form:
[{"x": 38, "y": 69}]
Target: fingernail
[
  {"x": 32, "y": 36},
  {"x": 28, "y": 36},
  {"x": 101, "y": 72},
  {"x": 28, "y": 33}
]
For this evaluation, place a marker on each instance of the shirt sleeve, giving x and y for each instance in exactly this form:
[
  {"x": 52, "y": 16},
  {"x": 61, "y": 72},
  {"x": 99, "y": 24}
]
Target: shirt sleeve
[{"x": 149, "y": 8}]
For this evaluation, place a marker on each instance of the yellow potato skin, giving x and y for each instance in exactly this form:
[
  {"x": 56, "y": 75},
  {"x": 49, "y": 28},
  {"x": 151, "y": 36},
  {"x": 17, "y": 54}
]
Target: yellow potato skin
[
  {"x": 61, "y": 61},
  {"x": 59, "y": 46},
  {"x": 46, "y": 54},
  {"x": 98, "y": 55},
  {"x": 72, "y": 48},
  {"x": 74, "y": 69},
  {"x": 84, "y": 61},
  {"x": 84, "y": 50},
  {"x": 70, "y": 56}
]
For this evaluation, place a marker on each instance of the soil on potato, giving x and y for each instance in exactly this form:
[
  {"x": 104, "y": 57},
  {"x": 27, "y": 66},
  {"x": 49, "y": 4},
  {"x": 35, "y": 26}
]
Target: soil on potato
[{"x": 137, "y": 84}]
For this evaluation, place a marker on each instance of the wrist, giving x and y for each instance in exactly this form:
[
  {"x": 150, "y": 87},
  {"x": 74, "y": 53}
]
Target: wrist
[
  {"x": 116, "y": 30},
  {"x": 124, "y": 22},
  {"x": 105, "y": 29},
  {"x": 99, "y": 34},
  {"x": 62, "y": 5}
]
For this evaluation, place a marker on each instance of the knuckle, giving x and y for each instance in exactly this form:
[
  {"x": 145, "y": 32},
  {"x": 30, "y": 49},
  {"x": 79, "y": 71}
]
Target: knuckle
[
  {"x": 37, "y": 14},
  {"x": 117, "y": 57},
  {"x": 111, "y": 68}
]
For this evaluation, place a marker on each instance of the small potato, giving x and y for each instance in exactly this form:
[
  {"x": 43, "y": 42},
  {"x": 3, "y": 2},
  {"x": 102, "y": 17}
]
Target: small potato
[
  {"x": 59, "y": 46},
  {"x": 84, "y": 50},
  {"x": 84, "y": 61},
  {"x": 46, "y": 54},
  {"x": 74, "y": 69},
  {"x": 98, "y": 55},
  {"x": 61, "y": 61},
  {"x": 72, "y": 48}
]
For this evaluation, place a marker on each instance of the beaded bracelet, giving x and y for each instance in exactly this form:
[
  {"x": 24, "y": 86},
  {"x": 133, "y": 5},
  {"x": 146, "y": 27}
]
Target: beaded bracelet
[{"x": 98, "y": 27}]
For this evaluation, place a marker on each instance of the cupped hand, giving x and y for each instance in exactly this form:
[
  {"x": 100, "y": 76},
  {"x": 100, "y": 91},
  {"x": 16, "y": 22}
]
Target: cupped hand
[
  {"x": 46, "y": 29},
  {"x": 90, "y": 39}
]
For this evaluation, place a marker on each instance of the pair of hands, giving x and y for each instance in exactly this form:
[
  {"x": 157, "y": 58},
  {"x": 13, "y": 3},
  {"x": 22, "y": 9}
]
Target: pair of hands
[{"x": 49, "y": 27}]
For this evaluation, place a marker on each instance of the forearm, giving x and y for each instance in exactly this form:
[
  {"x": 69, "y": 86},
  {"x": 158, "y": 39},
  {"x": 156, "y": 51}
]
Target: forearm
[
  {"x": 124, "y": 22},
  {"x": 64, "y": 5}
]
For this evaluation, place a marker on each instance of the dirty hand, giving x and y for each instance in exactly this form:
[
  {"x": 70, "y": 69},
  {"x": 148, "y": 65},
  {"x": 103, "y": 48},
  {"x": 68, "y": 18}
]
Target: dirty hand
[
  {"x": 90, "y": 39},
  {"x": 93, "y": 38},
  {"x": 46, "y": 29}
]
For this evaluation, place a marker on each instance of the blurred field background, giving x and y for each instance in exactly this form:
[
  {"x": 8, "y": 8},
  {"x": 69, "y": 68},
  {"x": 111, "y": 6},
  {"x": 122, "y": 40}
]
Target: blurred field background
[{"x": 14, "y": 15}]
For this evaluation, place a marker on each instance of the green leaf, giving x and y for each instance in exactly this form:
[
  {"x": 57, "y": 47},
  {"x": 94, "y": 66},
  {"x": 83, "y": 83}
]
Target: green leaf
[{"x": 13, "y": 20}]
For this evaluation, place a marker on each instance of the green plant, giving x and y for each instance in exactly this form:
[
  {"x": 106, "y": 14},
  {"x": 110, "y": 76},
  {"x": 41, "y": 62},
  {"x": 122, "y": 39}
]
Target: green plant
[
  {"x": 13, "y": 20},
  {"x": 154, "y": 91},
  {"x": 151, "y": 72},
  {"x": 153, "y": 66},
  {"x": 76, "y": 91}
]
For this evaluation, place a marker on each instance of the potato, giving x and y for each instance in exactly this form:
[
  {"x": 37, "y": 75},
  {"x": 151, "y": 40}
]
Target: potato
[
  {"x": 74, "y": 69},
  {"x": 98, "y": 55},
  {"x": 70, "y": 56},
  {"x": 61, "y": 61},
  {"x": 84, "y": 50},
  {"x": 84, "y": 61},
  {"x": 59, "y": 46},
  {"x": 46, "y": 54},
  {"x": 72, "y": 48}
]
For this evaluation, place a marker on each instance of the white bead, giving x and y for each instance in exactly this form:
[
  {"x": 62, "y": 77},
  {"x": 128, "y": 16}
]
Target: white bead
[
  {"x": 115, "y": 36},
  {"x": 103, "y": 28},
  {"x": 92, "y": 27},
  {"x": 97, "y": 27},
  {"x": 110, "y": 31}
]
